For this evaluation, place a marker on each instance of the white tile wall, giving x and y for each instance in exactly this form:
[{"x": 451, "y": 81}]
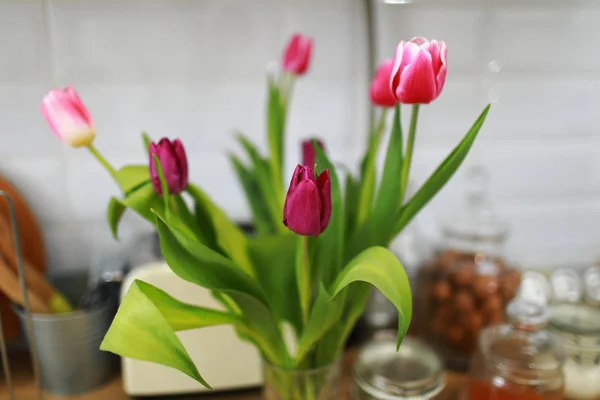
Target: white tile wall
[{"x": 195, "y": 69}]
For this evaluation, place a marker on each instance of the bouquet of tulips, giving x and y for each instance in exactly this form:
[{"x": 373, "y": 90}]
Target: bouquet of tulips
[{"x": 318, "y": 248}]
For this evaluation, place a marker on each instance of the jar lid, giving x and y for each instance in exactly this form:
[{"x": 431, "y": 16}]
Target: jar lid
[
  {"x": 414, "y": 372},
  {"x": 567, "y": 285},
  {"x": 577, "y": 319},
  {"x": 526, "y": 352},
  {"x": 591, "y": 280},
  {"x": 475, "y": 218}
]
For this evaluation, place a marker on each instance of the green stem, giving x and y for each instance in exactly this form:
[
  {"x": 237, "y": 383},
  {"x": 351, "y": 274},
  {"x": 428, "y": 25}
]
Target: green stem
[
  {"x": 103, "y": 161},
  {"x": 305, "y": 295},
  {"x": 410, "y": 144}
]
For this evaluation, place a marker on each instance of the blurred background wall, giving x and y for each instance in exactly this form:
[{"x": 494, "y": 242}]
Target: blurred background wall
[{"x": 196, "y": 70}]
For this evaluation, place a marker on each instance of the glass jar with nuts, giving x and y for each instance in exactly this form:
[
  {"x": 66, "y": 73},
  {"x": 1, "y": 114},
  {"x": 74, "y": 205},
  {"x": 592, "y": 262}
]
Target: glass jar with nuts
[{"x": 468, "y": 284}]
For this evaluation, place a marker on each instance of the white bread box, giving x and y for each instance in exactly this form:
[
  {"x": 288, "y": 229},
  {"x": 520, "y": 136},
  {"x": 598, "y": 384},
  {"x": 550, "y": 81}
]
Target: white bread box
[{"x": 224, "y": 361}]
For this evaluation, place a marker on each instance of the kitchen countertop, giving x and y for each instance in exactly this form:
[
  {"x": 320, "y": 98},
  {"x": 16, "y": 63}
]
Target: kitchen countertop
[{"x": 25, "y": 390}]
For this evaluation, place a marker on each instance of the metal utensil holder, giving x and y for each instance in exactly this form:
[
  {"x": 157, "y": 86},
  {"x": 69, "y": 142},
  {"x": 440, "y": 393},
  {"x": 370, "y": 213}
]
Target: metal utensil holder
[{"x": 26, "y": 308}]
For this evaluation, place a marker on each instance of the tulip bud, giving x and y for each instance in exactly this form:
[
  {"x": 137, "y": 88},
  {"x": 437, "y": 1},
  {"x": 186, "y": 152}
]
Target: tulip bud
[
  {"x": 308, "y": 152},
  {"x": 296, "y": 57},
  {"x": 174, "y": 165},
  {"x": 381, "y": 93},
  {"x": 68, "y": 117},
  {"x": 307, "y": 208},
  {"x": 419, "y": 71}
]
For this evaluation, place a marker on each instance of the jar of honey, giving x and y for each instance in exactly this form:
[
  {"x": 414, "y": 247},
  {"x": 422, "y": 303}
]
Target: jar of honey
[
  {"x": 468, "y": 283},
  {"x": 520, "y": 360}
]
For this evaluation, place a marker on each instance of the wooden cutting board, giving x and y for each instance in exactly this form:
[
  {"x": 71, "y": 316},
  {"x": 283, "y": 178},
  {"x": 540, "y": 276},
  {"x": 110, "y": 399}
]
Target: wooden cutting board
[{"x": 32, "y": 247}]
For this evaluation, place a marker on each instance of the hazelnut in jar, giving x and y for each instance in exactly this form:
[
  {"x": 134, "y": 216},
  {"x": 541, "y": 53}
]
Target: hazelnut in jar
[{"x": 468, "y": 283}]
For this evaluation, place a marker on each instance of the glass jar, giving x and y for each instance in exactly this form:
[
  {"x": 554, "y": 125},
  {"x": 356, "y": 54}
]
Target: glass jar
[
  {"x": 467, "y": 285},
  {"x": 414, "y": 372},
  {"x": 518, "y": 361},
  {"x": 579, "y": 326},
  {"x": 301, "y": 384}
]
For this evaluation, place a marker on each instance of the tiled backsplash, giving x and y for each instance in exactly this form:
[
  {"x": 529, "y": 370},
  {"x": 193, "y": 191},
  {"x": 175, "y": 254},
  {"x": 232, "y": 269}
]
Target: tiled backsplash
[{"x": 196, "y": 69}]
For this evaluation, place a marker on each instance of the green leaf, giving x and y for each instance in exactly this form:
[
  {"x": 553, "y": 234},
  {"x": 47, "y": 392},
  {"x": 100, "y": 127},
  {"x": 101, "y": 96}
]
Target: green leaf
[
  {"x": 260, "y": 325},
  {"x": 229, "y": 237},
  {"x": 275, "y": 132},
  {"x": 163, "y": 182},
  {"x": 330, "y": 250},
  {"x": 329, "y": 348},
  {"x": 368, "y": 173},
  {"x": 260, "y": 212},
  {"x": 181, "y": 217},
  {"x": 351, "y": 196},
  {"x": 325, "y": 313},
  {"x": 142, "y": 330},
  {"x": 131, "y": 177},
  {"x": 273, "y": 259},
  {"x": 115, "y": 211},
  {"x": 197, "y": 263},
  {"x": 381, "y": 222},
  {"x": 147, "y": 140},
  {"x": 141, "y": 200},
  {"x": 382, "y": 269},
  {"x": 440, "y": 176},
  {"x": 265, "y": 179}
]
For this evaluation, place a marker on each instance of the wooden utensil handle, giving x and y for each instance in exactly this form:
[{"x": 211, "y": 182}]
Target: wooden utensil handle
[{"x": 9, "y": 284}]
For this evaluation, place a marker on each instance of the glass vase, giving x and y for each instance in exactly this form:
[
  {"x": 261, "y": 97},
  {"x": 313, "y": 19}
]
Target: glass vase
[{"x": 301, "y": 384}]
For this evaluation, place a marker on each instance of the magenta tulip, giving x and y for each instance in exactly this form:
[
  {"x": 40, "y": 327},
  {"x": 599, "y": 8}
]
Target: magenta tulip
[
  {"x": 308, "y": 152},
  {"x": 307, "y": 208},
  {"x": 296, "y": 57},
  {"x": 419, "y": 71},
  {"x": 68, "y": 117},
  {"x": 173, "y": 161},
  {"x": 381, "y": 93}
]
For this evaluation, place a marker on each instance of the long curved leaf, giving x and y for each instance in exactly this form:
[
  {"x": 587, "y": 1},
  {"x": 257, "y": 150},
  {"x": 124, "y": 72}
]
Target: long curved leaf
[
  {"x": 144, "y": 328},
  {"x": 330, "y": 251},
  {"x": 381, "y": 221},
  {"x": 273, "y": 259},
  {"x": 197, "y": 263},
  {"x": 229, "y": 237},
  {"x": 440, "y": 177},
  {"x": 382, "y": 269},
  {"x": 130, "y": 177},
  {"x": 141, "y": 200},
  {"x": 260, "y": 212},
  {"x": 325, "y": 313}
]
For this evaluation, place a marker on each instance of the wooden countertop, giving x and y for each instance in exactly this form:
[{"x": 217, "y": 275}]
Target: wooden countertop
[{"x": 113, "y": 390}]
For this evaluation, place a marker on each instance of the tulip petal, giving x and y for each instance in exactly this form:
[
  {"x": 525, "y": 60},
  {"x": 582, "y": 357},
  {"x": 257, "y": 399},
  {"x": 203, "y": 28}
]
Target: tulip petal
[
  {"x": 417, "y": 83},
  {"x": 302, "y": 211},
  {"x": 380, "y": 91},
  {"x": 441, "y": 74},
  {"x": 324, "y": 185},
  {"x": 396, "y": 72},
  {"x": 420, "y": 41},
  {"x": 296, "y": 178},
  {"x": 78, "y": 104},
  {"x": 181, "y": 159},
  {"x": 296, "y": 57}
]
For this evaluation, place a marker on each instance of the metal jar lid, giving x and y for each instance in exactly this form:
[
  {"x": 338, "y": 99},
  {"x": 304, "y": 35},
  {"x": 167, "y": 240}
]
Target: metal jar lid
[{"x": 415, "y": 372}]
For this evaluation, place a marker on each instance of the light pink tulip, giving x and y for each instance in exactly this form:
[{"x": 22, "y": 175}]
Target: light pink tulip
[
  {"x": 296, "y": 57},
  {"x": 419, "y": 71},
  {"x": 381, "y": 93},
  {"x": 68, "y": 117}
]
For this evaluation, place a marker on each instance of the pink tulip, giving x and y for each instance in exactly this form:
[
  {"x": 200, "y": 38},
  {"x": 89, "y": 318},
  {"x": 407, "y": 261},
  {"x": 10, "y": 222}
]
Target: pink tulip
[
  {"x": 381, "y": 93},
  {"x": 296, "y": 57},
  {"x": 308, "y": 152},
  {"x": 307, "y": 208},
  {"x": 419, "y": 71},
  {"x": 173, "y": 161},
  {"x": 68, "y": 117}
]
